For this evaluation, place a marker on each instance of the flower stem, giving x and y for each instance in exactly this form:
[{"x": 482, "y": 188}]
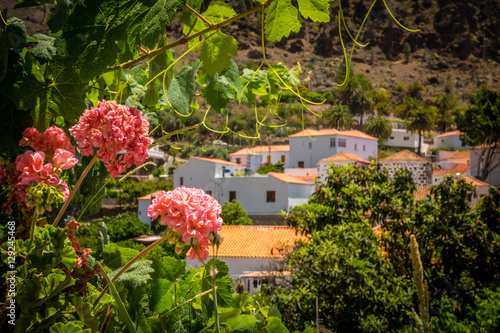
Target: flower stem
[
  {"x": 127, "y": 265},
  {"x": 33, "y": 226},
  {"x": 214, "y": 290},
  {"x": 72, "y": 194}
]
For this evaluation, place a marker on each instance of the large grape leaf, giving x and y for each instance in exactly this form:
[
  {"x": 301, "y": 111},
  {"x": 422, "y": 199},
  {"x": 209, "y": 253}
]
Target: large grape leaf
[
  {"x": 274, "y": 325},
  {"x": 222, "y": 88},
  {"x": 164, "y": 286},
  {"x": 281, "y": 18},
  {"x": 181, "y": 90},
  {"x": 153, "y": 24},
  {"x": 215, "y": 52},
  {"x": 316, "y": 10}
]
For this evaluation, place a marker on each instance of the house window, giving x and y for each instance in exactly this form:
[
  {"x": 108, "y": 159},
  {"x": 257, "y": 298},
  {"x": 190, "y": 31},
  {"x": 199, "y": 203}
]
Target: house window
[
  {"x": 391, "y": 138},
  {"x": 364, "y": 148},
  {"x": 181, "y": 181},
  {"x": 208, "y": 192},
  {"x": 232, "y": 196},
  {"x": 269, "y": 159},
  {"x": 271, "y": 196},
  {"x": 238, "y": 160},
  {"x": 301, "y": 164},
  {"x": 310, "y": 145},
  {"x": 283, "y": 158},
  {"x": 332, "y": 142},
  {"x": 356, "y": 147},
  {"x": 406, "y": 138},
  {"x": 342, "y": 143}
]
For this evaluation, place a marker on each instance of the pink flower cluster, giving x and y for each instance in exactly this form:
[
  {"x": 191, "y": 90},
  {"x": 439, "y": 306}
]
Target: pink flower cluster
[
  {"x": 112, "y": 128},
  {"x": 190, "y": 212},
  {"x": 54, "y": 153}
]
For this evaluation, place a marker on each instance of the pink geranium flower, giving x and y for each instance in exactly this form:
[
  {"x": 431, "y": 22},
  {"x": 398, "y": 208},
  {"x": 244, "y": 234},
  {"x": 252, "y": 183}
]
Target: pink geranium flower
[
  {"x": 190, "y": 212},
  {"x": 49, "y": 141},
  {"x": 113, "y": 128},
  {"x": 64, "y": 159}
]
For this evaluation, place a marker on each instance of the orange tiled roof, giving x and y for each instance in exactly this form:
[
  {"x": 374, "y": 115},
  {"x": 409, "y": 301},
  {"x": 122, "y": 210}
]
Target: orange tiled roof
[
  {"x": 458, "y": 155},
  {"x": 257, "y": 150},
  {"x": 404, "y": 155},
  {"x": 307, "y": 177},
  {"x": 266, "y": 274},
  {"x": 255, "y": 241},
  {"x": 422, "y": 192},
  {"x": 475, "y": 181},
  {"x": 288, "y": 178},
  {"x": 344, "y": 157},
  {"x": 449, "y": 133},
  {"x": 332, "y": 131},
  {"x": 459, "y": 168},
  {"x": 217, "y": 161}
]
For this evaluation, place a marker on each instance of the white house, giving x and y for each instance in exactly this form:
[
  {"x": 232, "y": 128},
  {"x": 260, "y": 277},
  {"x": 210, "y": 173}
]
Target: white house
[
  {"x": 262, "y": 196},
  {"x": 482, "y": 188},
  {"x": 449, "y": 140},
  {"x": 402, "y": 138},
  {"x": 420, "y": 167},
  {"x": 309, "y": 146},
  {"x": 339, "y": 160},
  {"x": 457, "y": 171},
  {"x": 479, "y": 160},
  {"x": 247, "y": 249},
  {"x": 254, "y": 157}
]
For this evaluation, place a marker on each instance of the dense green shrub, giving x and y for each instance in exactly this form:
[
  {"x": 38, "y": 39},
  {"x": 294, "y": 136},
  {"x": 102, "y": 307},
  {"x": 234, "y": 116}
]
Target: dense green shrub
[
  {"x": 234, "y": 214},
  {"x": 124, "y": 226},
  {"x": 265, "y": 169}
]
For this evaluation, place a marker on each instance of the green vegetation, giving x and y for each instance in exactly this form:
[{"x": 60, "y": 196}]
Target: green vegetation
[
  {"x": 265, "y": 169},
  {"x": 379, "y": 127},
  {"x": 338, "y": 117},
  {"x": 234, "y": 214}
]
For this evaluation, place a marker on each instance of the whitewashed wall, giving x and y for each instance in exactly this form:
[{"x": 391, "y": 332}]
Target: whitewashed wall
[
  {"x": 301, "y": 171},
  {"x": 397, "y": 140},
  {"x": 494, "y": 176},
  {"x": 449, "y": 141},
  {"x": 238, "y": 265}
]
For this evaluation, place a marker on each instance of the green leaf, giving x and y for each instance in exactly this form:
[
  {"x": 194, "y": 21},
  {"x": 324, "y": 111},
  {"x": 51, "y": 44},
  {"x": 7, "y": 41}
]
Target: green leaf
[
  {"x": 84, "y": 310},
  {"x": 116, "y": 256},
  {"x": 59, "y": 14},
  {"x": 241, "y": 323},
  {"x": 279, "y": 75},
  {"x": 62, "y": 94},
  {"x": 36, "y": 291},
  {"x": 152, "y": 95},
  {"x": 215, "y": 52},
  {"x": 222, "y": 88},
  {"x": 281, "y": 18},
  {"x": 162, "y": 295},
  {"x": 122, "y": 311},
  {"x": 136, "y": 275},
  {"x": 274, "y": 325},
  {"x": 66, "y": 328},
  {"x": 317, "y": 10},
  {"x": 161, "y": 63},
  {"x": 170, "y": 268},
  {"x": 181, "y": 90},
  {"x": 153, "y": 25}
]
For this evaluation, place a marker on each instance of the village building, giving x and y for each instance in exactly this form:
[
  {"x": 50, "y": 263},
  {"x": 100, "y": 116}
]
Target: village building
[
  {"x": 457, "y": 171},
  {"x": 420, "y": 167},
  {"x": 252, "y": 253},
  {"x": 339, "y": 160},
  {"x": 482, "y": 158},
  {"x": 404, "y": 139},
  {"x": 450, "y": 140},
  {"x": 309, "y": 146},
  {"x": 482, "y": 188},
  {"x": 254, "y": 157}
]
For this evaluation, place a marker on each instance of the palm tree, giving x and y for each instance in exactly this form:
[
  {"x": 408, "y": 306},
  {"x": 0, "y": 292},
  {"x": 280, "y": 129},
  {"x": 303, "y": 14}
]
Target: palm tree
[
  {"x": 421, "y": 120},
  {"x": 338, "y": 117},
  {"x": 379, "y": 127},
  {"x": 446, "y": 104}
]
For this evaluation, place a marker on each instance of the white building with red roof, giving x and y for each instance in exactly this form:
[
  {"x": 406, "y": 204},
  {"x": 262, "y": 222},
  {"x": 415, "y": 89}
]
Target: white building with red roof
[
  {"x": 262, "y": 196},
  {"x": 421, "y": 168},
  {"x": 309, "y": 146},
  {"x": 450, "y": 140},
  {"x": 339, "y": 160}
]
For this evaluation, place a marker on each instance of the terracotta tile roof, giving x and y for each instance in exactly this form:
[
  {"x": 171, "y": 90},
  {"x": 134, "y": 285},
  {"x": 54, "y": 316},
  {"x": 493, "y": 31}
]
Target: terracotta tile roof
[
  {"x": 288, "y": 178},
  {"x": 307, "y": 177},
  {"x": 422, "y": 192},
  {"x": 449, "y": 133},
  {"x": 458, "y": 155},
  {"x": 475, "y": 181},
  {"x": 459, "y": 168},
  {"x": 258, "y": 150},
  {"x": 217, "y": 161},
  {"x": 344, "y": 157},
  {"x": 266, "y": 274},
  {"x": 148, "y": 197},
  {"x": 404, "y": 155},
  {"x": 332, "y": 131},
  {"x": 256, "y": 241}
]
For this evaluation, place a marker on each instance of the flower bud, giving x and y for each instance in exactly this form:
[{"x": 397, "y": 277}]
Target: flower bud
[
  {"x": 195, "y": 244},
  {"x": 213, "y": 271}
]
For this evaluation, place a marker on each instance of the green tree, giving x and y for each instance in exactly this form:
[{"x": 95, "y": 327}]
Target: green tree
[
  {"x": 125, "y": 226},
  {"x": 234, "y": 214},
  {"x": 446, "y": 105},
  {"x": 407, "y": 52},
  {"x": 338, "y": 117},
  {"x": 421, "y": 120},
  {"x": 481, "y": 124},
  {"x": 379, "y": 127}
]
